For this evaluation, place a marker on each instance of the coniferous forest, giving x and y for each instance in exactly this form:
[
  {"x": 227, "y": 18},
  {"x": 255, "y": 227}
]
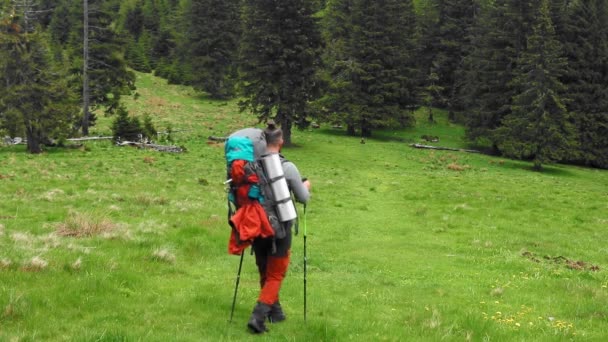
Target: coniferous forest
[{"x": 527, "y": 78}]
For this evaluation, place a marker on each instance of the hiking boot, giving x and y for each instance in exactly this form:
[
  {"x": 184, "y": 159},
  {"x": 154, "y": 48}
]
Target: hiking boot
[
  {"x": 276, "y": 314},
  {"x": 258, "y": 316}
]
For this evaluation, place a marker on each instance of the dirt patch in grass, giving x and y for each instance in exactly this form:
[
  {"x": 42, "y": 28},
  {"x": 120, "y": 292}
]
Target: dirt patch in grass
[
  {"x": 457, "y": 167},
  {"x": 577, "y": 265},
  {"x": 156, "y": 102}
]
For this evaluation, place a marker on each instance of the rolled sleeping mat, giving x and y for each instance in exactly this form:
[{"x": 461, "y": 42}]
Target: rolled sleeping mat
[{"x": 280, "y": 191}]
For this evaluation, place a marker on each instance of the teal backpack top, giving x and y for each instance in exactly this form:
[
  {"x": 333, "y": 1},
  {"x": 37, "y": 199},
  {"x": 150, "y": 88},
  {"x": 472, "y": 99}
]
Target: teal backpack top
[
  {"x": 238, "y": 148},
  {"x": 241, "y": 148}
]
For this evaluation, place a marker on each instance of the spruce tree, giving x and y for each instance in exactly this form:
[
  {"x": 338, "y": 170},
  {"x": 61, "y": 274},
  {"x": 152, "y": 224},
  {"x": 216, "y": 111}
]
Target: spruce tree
[
  {"x": 211, "y": 45},
  {"x": 279, "y": 59},
  {"x": 455, "y": 21},
  {"x": 372, "y": 81},
  {"x": 585, "y": 37},
  {"x": 34, "y": 94},
  {"x": 134, "y": 21},
  {"x": 487, "y": 91},
  {"x": 335, "y": 103},
  {"x": 538, "y": 126},
  {"x": 108, "y": 77}
]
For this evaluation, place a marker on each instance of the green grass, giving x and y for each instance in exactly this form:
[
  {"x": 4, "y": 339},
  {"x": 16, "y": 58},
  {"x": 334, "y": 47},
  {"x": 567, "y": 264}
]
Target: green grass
[{"x": 403, "y": 244}]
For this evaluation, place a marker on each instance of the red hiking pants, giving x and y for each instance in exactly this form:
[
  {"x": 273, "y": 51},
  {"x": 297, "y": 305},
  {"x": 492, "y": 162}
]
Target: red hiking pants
[{"x": 272, "y": 272}]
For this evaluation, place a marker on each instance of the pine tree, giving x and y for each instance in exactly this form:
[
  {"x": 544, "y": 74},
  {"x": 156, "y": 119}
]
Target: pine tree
[
  {"x": 211, "y": 45},
  {"x": 164, "y": 24},
  {"x": 498, "y": 40},
  {"x": 134, "y": 21},
  {"x": 137, "y": 52},
  {"x": 279, "y": 59},
  {"x": 125, "y": 127},
  {"x": 538, "y": 126},
  {"x": 371, "y": 79},
  {"x": 585, "y": 36},
  {"x": 34, "y": 94},
  {"x": 335, "y": 104},
  {"x": 455, "y": 21},
  {"x": 102, "y": 53},
  {"x": 487, "y": 76},
  {"x": 60, "y": 25}
]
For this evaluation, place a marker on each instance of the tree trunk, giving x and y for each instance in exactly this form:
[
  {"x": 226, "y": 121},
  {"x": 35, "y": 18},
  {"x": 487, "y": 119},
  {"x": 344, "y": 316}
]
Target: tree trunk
[
  {"x": 366, "y": 132},
  {"x": 350, "y": 130},
  {"x": 33, "y": 140},
  {"x": 85, "y": 69},
  {"x": 452, "y": 99},
  {"x": 286, "y": 128}
]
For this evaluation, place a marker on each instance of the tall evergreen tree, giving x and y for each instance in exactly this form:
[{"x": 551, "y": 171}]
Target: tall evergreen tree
[
  {"x": 455, "y": 21},
  {"x": 335, "y": 103},
  {"x": 538, "y": 126},
  {"x": 134, "y": 21},
  {"x": 585, "y": 36},
  {"x": 106, "y": 70},
  {"x": 279, "y": 58},
  {"x": 498, "y": 40},
  {"x": 162, "y": 21},
  {"x": 211, "y": 45},
  {"x": 372, "y": 81},
  {"x": 34, "y": 95}
]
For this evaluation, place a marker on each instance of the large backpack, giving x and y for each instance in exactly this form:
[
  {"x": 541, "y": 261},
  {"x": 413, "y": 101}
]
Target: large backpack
[{"x": 247, "y": 180}]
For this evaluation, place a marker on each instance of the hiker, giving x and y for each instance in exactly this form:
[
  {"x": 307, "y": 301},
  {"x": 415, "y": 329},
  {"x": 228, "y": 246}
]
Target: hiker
[{"x": 272, "y": 253}]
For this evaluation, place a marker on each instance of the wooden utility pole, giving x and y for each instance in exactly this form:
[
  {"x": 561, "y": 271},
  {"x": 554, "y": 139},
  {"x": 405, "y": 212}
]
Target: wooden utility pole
[{"x": 85, "y": 70}]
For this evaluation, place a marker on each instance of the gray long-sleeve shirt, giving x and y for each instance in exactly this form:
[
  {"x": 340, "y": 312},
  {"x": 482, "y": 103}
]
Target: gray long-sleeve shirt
[{"x": 294, "y": 181}]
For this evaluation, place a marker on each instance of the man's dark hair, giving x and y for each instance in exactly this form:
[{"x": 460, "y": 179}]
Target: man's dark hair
[{"x": 272, "y": 133}]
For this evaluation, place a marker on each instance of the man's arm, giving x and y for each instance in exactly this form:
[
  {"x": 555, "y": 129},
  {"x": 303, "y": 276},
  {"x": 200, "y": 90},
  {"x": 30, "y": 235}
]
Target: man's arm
[{"x": 294, "y": 181}]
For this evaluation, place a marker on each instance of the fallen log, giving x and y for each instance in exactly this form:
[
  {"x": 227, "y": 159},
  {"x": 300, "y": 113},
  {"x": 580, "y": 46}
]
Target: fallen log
[
  {"x": 443, "y": 148},
  {"x": 174, "y": 131},
  {"x": 160, "y": 148},
  {"x": 214, "y": 138},
  {"x": 14, "y": 141},
  {"x": 89, "y": 138}
]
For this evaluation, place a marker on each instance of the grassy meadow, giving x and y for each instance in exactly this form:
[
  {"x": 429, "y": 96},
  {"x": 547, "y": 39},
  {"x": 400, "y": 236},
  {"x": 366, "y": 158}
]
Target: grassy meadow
[{"x": 105, "y": 243}]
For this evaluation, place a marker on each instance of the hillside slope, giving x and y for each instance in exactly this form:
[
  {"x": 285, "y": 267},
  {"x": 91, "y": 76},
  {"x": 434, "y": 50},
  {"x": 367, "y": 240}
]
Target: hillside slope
[{"x": 106, "y": 243}]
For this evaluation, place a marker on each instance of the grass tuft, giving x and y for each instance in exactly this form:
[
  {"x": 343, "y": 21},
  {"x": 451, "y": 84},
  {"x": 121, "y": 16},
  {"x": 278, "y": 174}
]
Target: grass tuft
[
  {"x": 5, "y": 263},
  {"x": 15, "y": 308},
  {"x": 51, "y": 195},
  {"x": 149, "y": 160},
  {"x": 148, "y": 200},
  {"x": 22, "y": 238},
  {"x": 76, "y": 265},
  {"x": 36, "y": 264},
  {"x": 163, "y": 255},
  {"x": 497, "y": 292},
  {"x": 81, "y": 225}
]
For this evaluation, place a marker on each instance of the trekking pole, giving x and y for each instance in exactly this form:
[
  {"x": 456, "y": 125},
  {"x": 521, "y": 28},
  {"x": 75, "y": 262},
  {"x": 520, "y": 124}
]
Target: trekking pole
[
  {"x": 236, "y": 287},
  {"x": 304, "y": 262}
]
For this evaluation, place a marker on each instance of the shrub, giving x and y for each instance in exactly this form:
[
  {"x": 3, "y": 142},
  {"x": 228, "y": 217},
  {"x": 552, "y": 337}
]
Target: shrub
[{"x": 125, "y": 127}]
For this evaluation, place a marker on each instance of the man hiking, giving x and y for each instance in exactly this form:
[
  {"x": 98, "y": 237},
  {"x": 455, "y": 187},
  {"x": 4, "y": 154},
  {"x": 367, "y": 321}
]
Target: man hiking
[{"x": 272, "y": 253}]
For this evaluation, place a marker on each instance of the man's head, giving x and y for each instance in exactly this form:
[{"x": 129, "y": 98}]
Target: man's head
[{"x": 274, "y": 136}]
